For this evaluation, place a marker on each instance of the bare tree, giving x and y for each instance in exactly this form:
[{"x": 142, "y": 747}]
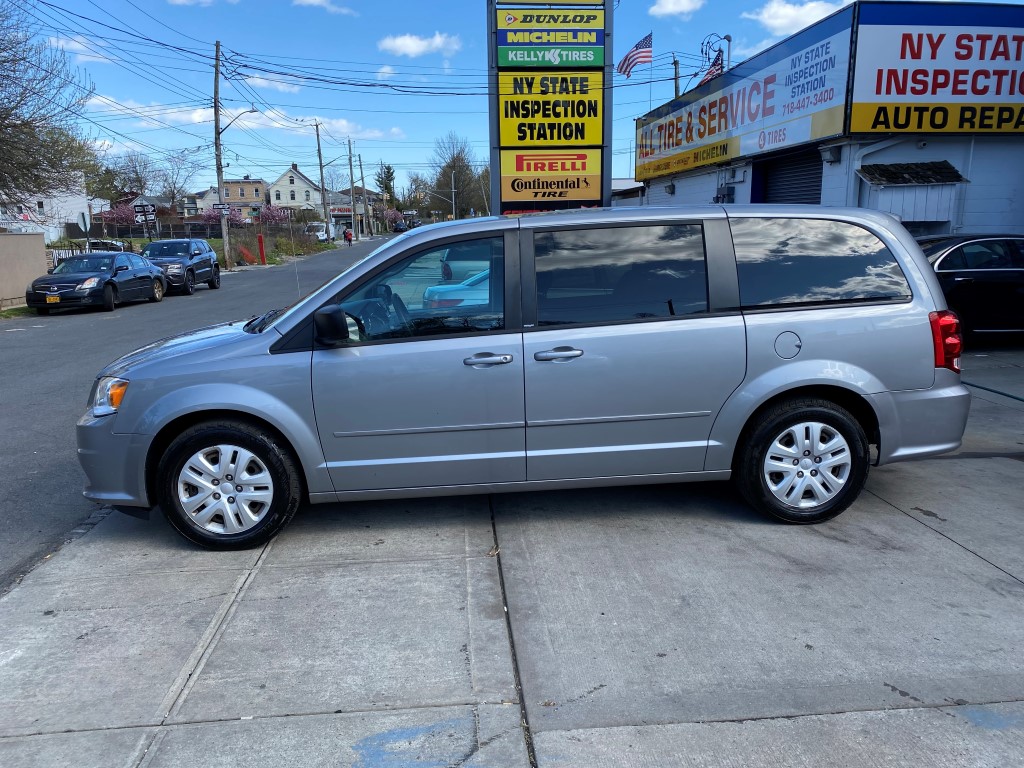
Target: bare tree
[
  {"x": 41, "y": 149},
  {"x": 136, "y": 172},
  {"x": 174, "y": 177}
]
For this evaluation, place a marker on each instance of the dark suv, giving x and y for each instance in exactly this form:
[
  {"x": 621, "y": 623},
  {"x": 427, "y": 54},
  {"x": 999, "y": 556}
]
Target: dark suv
[{"x": 185, "y": 263}]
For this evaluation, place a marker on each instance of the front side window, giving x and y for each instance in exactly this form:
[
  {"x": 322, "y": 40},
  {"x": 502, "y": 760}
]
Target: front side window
[
  {"x": 619, "y": 274},
  {"x": 121, "y": 261},
  {"x": 988, "y": 254},
  {"x": 813, "y": 261},
  {"x": 412, "y": 299}
]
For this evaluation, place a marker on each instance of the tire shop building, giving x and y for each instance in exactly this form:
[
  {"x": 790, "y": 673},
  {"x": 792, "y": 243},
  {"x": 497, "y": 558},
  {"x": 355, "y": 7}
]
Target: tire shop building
[{"x": 915, "y": 108}]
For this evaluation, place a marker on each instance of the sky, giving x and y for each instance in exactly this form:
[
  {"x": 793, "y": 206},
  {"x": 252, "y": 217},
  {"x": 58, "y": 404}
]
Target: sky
[{"x": 391, "y": 76}]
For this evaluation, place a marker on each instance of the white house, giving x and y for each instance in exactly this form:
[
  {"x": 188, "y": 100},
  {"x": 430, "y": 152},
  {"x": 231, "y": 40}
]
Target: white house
[
  {"x": 45, "y": 214},
  {"x": 295, "y": 190}
]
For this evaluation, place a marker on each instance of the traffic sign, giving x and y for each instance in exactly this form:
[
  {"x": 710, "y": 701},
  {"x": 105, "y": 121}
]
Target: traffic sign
[
  {"x": 148, "y": 208},
  {"x": 221, "y": 206},
  {"x": 141, "y": 218}
]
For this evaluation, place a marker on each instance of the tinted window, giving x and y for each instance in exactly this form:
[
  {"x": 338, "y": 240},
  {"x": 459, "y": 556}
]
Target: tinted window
[
  {"x": 137, "y": 263},
  {"x": 988, "y": 254},
  {"x": 810, "y": 261},
  {"x": 411, "y": 298},
  {"x": 121, "y": 261},
  {"x": 953, "y": 260},
  {"x": 620, "y": 273}
]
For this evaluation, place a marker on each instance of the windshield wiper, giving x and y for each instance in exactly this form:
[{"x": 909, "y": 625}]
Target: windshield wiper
[{"x": 257, "y": 324}]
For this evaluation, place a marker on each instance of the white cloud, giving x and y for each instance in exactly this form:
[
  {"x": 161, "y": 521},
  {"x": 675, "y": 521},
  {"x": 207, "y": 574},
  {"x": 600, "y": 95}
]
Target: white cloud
[
  {"x": 413, "y": 46},
  {"x": 741, "y": 49},
  {"x": 83, "y": 49},
  {"x": 276, "y": 85},
  {"x": 782, "y": 18},
  {"x": 327, "y": 5},
  {"x": 386, "y": 72},
  {"x": 675, "y": 7}
]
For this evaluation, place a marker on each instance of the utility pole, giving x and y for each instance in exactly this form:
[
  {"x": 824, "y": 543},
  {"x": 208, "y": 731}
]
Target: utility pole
[
  {"x": 675, "y": 66},
  {"x": 453, "y": 195},
  {"x": 323, "y": 188},
  {"x": 362, "y": 183},
  {"x": 220, "y": 164},
  {"x": 352, "y": 191}
]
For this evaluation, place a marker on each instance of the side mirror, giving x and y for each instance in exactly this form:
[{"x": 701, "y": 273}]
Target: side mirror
[
  {"x": 120, "y": 268},
  {"x": 50, "y": 270},
  {"x": 196, "y": 252},
  {"x": 331, "y": 325}
]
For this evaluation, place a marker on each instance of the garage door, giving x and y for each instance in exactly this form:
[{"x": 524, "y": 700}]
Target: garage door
[{"x": 794, "y": 178}]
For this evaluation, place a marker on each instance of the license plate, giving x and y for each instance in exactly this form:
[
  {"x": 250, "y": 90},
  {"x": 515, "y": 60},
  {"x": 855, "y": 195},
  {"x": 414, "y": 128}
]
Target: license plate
[{"x": 53, "y": 299}]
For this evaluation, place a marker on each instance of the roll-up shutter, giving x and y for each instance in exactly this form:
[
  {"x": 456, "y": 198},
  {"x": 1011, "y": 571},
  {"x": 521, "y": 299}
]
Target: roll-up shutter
[{"x": 793, "y": 178}]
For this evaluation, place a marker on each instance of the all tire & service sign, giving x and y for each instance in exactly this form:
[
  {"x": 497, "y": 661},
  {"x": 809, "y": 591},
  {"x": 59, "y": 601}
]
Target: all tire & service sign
[
  {"x": 791, "y": 94},
  {"x": 548, "y": 120},
  {"x": 956, "y": 69}
]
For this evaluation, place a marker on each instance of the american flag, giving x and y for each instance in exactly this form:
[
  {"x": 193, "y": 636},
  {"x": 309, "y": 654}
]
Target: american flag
[
  {"x": 714, "y": 70},
  {"x": 640, "y": 53}
]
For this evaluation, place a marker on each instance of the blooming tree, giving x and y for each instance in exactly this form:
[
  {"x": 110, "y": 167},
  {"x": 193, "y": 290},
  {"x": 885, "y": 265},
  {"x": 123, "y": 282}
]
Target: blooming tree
[
  {"x": 211, "y": 216},
  {"x": 274, "y": 214}
]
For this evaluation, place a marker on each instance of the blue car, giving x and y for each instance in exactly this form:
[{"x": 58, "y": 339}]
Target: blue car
[{"x": 472, "y": 290}]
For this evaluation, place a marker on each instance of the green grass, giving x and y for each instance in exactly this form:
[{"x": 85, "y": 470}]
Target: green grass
[{"x": 13, "y": 312}]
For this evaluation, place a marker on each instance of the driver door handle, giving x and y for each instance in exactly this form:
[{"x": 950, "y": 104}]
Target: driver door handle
[
  {"x": 486, "y": 360},
  {"x": 558, "y": 353}
]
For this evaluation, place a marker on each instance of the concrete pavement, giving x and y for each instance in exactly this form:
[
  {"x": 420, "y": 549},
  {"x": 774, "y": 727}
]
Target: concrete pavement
[{"x": 646, "y": 626}]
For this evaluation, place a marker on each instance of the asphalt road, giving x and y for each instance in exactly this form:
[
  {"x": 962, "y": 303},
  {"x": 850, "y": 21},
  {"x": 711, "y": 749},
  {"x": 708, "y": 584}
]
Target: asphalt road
[{"x": 47, "y": 366}]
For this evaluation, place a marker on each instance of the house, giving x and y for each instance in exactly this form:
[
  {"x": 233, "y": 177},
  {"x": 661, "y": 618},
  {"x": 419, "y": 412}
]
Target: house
[
  {"x": 247, "y": 194},
  {"x": 45, "y": 214},
  {"x": 294, "y": 189}
]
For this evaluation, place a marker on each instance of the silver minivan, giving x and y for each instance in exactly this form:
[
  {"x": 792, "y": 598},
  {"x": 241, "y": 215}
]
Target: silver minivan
[{"x": 787, "y": 348}]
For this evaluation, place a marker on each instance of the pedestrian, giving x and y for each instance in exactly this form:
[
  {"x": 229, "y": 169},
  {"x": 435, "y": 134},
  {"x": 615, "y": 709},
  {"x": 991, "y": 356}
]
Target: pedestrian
[{"x": 348, "y": 236}]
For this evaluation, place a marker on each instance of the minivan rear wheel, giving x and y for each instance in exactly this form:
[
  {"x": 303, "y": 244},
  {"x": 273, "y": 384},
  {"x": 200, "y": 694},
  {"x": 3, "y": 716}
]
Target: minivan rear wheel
[
  {"x": 227, "y": 485},
  {"x": 804, "y": 461}
]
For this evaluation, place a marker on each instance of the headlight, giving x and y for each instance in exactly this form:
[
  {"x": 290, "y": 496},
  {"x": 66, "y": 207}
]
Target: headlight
[
  {"x": 174, "y": 268},
  {"x": 92, "y": 282},
  {"x": 109, "y": 394}
]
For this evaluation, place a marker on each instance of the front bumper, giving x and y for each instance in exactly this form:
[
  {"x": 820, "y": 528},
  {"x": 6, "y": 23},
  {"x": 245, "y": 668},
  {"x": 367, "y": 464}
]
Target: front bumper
[
  {"x": 114, "y": 464},
  {"x": 71, "y": 298}
]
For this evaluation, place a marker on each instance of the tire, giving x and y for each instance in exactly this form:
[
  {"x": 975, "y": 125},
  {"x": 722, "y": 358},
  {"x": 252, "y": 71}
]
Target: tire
[
  {"x": 188, "y": 287},
  {"x": 831, "y": 453},
  {"x": 42, "y": 310},
  {"x": 214, "y": 282},
  {"x": 109, "y": 298},
  {"x": 270, "y": 494},
  {"x": 158, "y": 291}
]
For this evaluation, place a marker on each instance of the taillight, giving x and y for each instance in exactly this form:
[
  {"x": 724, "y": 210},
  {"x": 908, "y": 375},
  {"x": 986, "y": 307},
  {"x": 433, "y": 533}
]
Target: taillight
[
  {"x": 446, "y": 271},
  {"x": 947, "y": 339}
]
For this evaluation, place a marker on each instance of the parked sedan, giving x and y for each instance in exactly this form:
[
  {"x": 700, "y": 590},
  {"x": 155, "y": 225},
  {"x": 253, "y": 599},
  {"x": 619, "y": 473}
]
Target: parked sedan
[
  {"x": 982, "y": 277},
  {"x": 97, "y": 279},
  {"x": 185, "y": 263}
]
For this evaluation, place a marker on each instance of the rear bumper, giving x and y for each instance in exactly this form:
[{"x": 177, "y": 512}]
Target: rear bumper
[
  {"x": 114, "y": 464},
  {"x": 919, "y": 423}
]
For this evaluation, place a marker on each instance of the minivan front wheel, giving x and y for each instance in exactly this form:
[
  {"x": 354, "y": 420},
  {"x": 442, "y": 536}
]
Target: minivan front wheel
[
  {"x": 804, "y": 461},
  {"x": 227, "y": 485}
]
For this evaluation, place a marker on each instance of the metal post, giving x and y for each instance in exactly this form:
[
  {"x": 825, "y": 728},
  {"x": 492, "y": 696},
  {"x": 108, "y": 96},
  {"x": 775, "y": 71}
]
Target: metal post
[
  {"x": 220, "y": 165},
  {"x": 453, "y": 195},
  {"x": 675, "y": 66},
  {"x": 362, "y": 183},
  {"x": 352, "y": 193}
]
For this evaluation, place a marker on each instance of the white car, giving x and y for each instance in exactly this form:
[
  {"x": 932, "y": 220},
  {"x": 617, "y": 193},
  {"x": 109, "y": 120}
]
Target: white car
[{"x": 472, "y": 290}]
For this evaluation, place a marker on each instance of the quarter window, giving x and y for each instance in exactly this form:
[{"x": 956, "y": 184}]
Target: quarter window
[
  {"x": 620, "y": 273},
  {"x": 813, "y": 261},
  {"x": 412, "y": 299}
]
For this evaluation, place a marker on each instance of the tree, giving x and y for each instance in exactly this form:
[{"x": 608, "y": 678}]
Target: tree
[
  {"x": 212, "y": 217},
  {"x": 174, "y": 177},
  {"x": 385, "y": 181},
  {"x": 453, "y": 165},
  {"x": 41, "y": 149},
  {"x": 274, "y": 214},
  {"x": 136, "y": 172}
]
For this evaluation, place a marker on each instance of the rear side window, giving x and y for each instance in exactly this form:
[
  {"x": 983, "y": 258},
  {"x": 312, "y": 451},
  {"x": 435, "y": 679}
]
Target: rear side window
[
  {"x": 615, "y": 274},
  {"x": 812, "y": 261}
]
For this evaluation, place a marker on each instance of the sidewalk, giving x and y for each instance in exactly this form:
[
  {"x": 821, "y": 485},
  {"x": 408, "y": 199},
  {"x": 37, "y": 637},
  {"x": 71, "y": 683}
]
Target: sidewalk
[{"x": 354, "y": 639}]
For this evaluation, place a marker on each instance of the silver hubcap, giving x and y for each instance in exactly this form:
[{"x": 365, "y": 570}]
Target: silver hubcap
[
  {"x": 807, "y": 465},
  {"x": 225, "y": 489}
]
